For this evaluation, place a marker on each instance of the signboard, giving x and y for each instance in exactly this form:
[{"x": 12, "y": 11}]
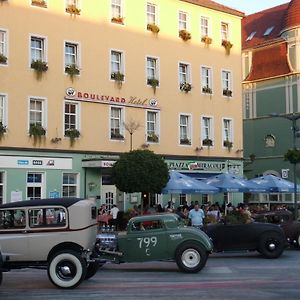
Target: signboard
[
  {"x": 15, "y": 196},
  {"x": 54, "y": 194}
]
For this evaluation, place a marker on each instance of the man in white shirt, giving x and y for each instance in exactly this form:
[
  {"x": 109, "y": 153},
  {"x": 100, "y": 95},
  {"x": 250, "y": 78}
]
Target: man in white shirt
[
  {"x": 114, "y": 212},
  {"x": 196, "y": 215}
]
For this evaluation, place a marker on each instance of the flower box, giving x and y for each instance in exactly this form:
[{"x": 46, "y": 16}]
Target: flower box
[
  {"x": 73, "y": 10},
  {"x": 116, "y": 136},
  {"x": 227, "y": 144},
  {"x": 207, "y": 142},
  {"x": 207, "y": 90},
  {"x": 185, "y": 141},
  {"x": 227, "y": 45},
  {"x": 152, "y": 137},
  {"x": 185, "y": 35},
  {"x": 118, "y": 20},
  {"x": 153, "y": 27},
  {"x": 37, "y": 131},
  {"x": 206, "y": 40},
  {"x": 153, "y": 82},
  {"x": 185, "y": 87},
  {"x": 40, "y": 3},
  {"x": 227, "y": 92},
  {"x": 39, "y": 65},
  {"x": 3, "y": 130},
  {"x": 72, "y": 70},
  {"x": 117, "y": 76},
  {"x": 3, "y": 59}
]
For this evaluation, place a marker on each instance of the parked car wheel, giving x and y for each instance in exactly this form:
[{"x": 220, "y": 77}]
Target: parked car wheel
[
  {"x": 271, "y": 245},
  {"x": 67, "y": 269},
  {"x": 92, "y": 269},
  {"x": 297, "y": 240},
  {"x": 190, "y": 258}
]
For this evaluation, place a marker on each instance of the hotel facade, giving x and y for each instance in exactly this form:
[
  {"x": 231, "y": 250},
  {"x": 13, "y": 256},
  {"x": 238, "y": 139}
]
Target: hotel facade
[{"x": 83, "y": 81}]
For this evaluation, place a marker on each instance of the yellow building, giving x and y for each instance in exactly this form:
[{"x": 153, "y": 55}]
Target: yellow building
[{"x": 78, "y": 76}]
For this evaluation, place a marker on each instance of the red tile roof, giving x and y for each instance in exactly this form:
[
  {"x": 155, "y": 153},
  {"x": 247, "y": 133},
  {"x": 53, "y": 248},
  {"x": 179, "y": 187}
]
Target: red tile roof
[
  {"x": 216, "y": 6},
  {"x": 292, "y": 18},
  {"x": 270, "y": 61}
]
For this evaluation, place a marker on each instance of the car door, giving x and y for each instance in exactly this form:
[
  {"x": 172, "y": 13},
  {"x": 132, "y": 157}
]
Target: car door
[{"x": 144, "y": 242}]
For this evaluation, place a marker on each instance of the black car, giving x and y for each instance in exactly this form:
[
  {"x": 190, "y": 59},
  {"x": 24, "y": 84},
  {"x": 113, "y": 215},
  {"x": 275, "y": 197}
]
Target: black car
[{"x": 267, "y": 239}]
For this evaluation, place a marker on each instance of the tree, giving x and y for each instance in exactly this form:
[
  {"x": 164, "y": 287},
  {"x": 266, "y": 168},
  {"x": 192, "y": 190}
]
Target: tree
[{"x": 140, "y": 171}]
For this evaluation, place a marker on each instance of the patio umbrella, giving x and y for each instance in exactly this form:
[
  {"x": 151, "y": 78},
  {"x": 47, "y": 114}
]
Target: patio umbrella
[
  {"x": 183, "y": 184},
  {"x": 274, "y": 184}
]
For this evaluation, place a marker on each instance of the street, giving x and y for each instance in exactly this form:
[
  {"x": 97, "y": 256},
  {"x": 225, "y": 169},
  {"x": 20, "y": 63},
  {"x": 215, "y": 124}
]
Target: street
[{"x": 226, "y": 276}]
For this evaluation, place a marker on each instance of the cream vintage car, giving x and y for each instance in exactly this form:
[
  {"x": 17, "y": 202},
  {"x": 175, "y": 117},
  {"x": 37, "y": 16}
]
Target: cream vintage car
[{"x": 56, "y": 234}]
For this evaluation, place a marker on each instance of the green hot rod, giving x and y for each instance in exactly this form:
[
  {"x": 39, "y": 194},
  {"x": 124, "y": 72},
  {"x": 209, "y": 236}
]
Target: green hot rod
[{"x": 156, "y": 237}]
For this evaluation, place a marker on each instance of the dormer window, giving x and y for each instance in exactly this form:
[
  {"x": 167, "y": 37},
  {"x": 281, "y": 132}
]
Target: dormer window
[
  {"x": 268, "y": 31},
  {"x": 251, "y": 35}
]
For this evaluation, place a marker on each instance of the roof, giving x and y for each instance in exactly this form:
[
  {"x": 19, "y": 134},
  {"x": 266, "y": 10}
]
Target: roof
[
  {"x": 292, "y": 17},
  {"x": 216, "y": 6},
  {"x": 269, "y": 62},
  {"x": 65, "y": 202},
  {"x": 260, "y": 22}
]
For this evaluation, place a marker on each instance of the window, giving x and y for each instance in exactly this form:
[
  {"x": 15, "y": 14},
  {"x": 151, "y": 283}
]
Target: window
[
  {"x": 3, "y": 47},
  {"x": 152, "y": 126},
  {"x": 116, "y": 123},
  {"x": 71, "y": 116},
  {"x": 183, "y": 21},
  {"x": 207, "y": 134},
  {"x": 71, "y": 55},
  {"x": 70, "y": 185},
  {"x": 34, "y": 186},
  {"x": 185, "y": 129},
  {"x": 227, "y": 133},
  {"x": 224, "y": 31},
  {"x": 117, "y": 11},
  {"x": 36, "y": 111},
  {"x": 182, "y": 199},
  {"x": 226, "y": 83},
  {"x": 72, "y": 7},
  {"x": 116, "y": 64},
  {"x": 184, "y": 74},
  {"x": 268, "y": 31},
  {"x": 206, "y": 80},
  {"x": 1, "y": 188},
  {"x": 3, "y": 109},
  {"x": 251, "y": 35},
  {"x": 37, "y": 49},
  {"x": 47, "y": 217},
  {"x": 12, "y": 219},
  {"x": 152, "y": 70},
  {"x": 151, "y": 13},
  {"x": 204, "y": 26}
]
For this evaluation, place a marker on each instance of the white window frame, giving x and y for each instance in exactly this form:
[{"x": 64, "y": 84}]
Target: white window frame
[
  {"x": 76, "y": 114},
  {"x": 4, "y": 45},
  {"x": 224, "y": 31},
  {"x": 183, "y": 24},
  {"x": 75, "y": 55},
  {"x": 42, "y": 49},
  {"x": 43, "y": 111},
  {"x": 155, "y": 68},
  {"x": 3, "y": 109},
  {"x": 156, "y": 125},
  {"x": 121, "y": 120},
  {"x": 206, "y": 79},
  {"x": 3, "y": 184},
  {"x": 76, "y": 185},
  {"x": 226, "y": 81},
  {"x": 204, "y": 28},
  {"x": 207, "y": 130},
  {"x": 113, "y": 4},
  {"x": 227, "y": 132},
  {"x": 152, "y": 17},
  {"x": 120, "y": 63},
  {"x": 186, "y": 74},
  {"x": 36, "y": 184},
  {"x": 187, "y": 126}
]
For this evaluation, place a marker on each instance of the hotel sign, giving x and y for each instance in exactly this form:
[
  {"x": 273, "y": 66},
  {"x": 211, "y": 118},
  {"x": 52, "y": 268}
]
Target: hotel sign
[{"x": 133, "y": 101}]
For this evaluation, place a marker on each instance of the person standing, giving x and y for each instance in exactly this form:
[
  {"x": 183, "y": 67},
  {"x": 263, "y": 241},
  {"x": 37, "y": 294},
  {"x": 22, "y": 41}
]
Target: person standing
[
  {"x": 196, "y": 215},
  {"x": 114, "y": 212}
]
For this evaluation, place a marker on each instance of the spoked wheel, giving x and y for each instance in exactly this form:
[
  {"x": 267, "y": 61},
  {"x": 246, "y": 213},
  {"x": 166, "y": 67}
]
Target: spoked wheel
[
  {"x": 191, "y": 258},
  {"x": 67, "y": 269},
  {"x": 271, "y": 245}
]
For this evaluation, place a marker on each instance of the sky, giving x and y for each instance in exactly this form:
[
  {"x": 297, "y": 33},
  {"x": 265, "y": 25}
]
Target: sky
[{"x": 251, "y": 6}]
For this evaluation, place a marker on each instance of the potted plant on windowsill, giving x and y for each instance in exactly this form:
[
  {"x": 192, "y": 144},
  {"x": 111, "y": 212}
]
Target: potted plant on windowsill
[
  {"x": 185, "y": 87},
  {"x": 227, "y": 45},
  {"x": 3, "y": 59},
  {"x": 72, "y": 134},
  {"x": 185, "y": 35},
  {"x": 206, "y": 90},
  {"x": 3, "y": 130},
  {"x": 152, "y": 138},
  {"x": 153, "y": 82},
  {"x": 39, "y": 66},
  {"x": 153, "y": 27},
  {"x": 116, "y": 136},
  {"x": 207, "y": 142},
  {"x": 228, "y": 144},
  {"x": 72, "y": 70},
  {"x": 185, "y": 141},
  {"x": 37, "y": 131},
  {"x": 206, "y": 40},
  {"x": 118, "y": 77},
  {"x": 40, "y": 3},
  {"x": 227, "y": 92},
  {"x": 118, "y": 20},
  {"x": 73, "y": 9}
]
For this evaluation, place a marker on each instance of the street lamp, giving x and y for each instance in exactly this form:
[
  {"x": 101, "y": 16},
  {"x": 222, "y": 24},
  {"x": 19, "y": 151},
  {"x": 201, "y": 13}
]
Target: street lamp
[{"x": 296, "y": 133}]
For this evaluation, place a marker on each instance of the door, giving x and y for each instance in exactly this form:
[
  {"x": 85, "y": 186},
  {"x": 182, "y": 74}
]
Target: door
[{"x": 108, "y": 195}]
